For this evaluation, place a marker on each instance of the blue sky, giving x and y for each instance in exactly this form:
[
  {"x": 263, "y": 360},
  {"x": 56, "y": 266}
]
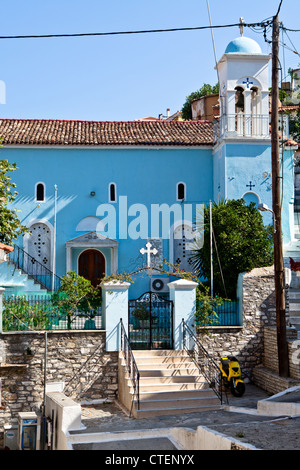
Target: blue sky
[{"x": 121, "y": 77}]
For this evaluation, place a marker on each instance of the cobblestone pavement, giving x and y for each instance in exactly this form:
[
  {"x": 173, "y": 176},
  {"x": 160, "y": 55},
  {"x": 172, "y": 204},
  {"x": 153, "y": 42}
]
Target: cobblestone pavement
[{"x": 262, "y": 432}]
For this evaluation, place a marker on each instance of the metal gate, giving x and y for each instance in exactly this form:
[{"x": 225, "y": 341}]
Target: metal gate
[{"x": 150, "y": 322}]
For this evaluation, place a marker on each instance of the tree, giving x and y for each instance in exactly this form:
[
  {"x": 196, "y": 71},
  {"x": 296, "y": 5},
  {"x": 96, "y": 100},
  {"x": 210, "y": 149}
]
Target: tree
[
  {"x": 242, "y": 243},
  {"x": 206, "y": 89},
  {"x": 295, "y": 126},
  {"x": 76, "y": 295},
  {"x": 10, "y": 225}
]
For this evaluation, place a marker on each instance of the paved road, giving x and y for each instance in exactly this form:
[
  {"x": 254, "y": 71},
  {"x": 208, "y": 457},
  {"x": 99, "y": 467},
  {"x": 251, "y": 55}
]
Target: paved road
[{"x": 263, "y": 432}]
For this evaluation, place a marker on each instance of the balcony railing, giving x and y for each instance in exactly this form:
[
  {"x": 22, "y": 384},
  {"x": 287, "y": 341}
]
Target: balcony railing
[
  {"x": 241, "y": 125},
  {"x": 248, "y": 125}
]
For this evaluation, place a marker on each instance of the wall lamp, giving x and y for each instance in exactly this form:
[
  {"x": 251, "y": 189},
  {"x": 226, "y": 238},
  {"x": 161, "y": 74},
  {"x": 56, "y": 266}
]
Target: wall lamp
[{"x": 264, "y": 208}]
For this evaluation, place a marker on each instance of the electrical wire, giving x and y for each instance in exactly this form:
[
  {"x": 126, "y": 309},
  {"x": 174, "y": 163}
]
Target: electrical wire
[
  {"x": 292, "y": 30},
  {"x": 292, "y": 50},
  {"x": 114, "y": 33},
  {"x": 279, "y": 8}
]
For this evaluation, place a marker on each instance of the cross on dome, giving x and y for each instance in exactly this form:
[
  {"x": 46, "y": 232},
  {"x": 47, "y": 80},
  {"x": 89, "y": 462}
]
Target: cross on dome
[{"x": 242, "y": 22}]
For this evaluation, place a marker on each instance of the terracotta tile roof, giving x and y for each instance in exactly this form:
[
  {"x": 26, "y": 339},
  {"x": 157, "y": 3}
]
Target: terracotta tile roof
[
  {"x": 63, "y": 132},
  {"x": 6, "y": 247}
]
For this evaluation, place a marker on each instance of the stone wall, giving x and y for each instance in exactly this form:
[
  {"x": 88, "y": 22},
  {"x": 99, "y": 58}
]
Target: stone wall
[
  {"x": 77, "y": 358},
  {"x": 246, "y": 342},
  {"x": 266, "y": 374}
]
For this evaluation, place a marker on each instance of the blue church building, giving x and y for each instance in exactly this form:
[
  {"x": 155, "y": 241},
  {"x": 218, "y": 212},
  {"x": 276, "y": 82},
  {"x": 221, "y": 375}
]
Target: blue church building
[{"x": 110, "y": 197}]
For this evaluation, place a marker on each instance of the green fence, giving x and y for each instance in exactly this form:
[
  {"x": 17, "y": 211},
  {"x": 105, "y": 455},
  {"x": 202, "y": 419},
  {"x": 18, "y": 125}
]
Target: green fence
[
  {"x": 45, "y": 312},
  {"x": 227, "y": 314}
]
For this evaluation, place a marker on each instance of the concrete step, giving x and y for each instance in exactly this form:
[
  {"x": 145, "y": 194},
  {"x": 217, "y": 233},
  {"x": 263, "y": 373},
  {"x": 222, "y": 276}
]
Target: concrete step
[
  {"x": 172, "y": 379},
  {"x": 171, "y": 387},
  {"x": 166, "y": 366},
  {"x": 294, "y": 308},
  {"x": 159, "y": 395},
  {"x": 294, "y": 294},
  {"x": 167, "y": 372},
  {"x": 160, "y": 360},
  {"x": 13, "y": 278},
  {"x": 159, "y": 352},
  {"x": 176, "y": 403},
  {"x": 141, "y": 414}
]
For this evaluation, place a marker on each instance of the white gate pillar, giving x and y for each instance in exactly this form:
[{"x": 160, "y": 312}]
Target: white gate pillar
[
  {"x": 114, "y": 307},
  {"x": 2, "y": 290},
  {"x": 183, "y": 295}
]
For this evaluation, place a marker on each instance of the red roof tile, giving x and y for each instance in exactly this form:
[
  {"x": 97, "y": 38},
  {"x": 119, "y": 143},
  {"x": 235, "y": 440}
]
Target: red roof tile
[
  {"x": 64, "y": 132},
  {"x": 6, "y": 247}
]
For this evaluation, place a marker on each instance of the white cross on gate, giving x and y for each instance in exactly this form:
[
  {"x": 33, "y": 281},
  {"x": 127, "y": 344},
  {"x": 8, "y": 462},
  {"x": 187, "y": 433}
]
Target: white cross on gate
[
  {"x": 148, "y": 251},
  {"x": 248, "y": 83}
]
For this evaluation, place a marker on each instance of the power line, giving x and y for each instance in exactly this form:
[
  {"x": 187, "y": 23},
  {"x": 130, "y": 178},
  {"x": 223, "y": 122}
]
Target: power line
[
  {"x": 279, "y": 8},
  {"x": 291, "y": 30},
  {"x": 114, "y": 33}
]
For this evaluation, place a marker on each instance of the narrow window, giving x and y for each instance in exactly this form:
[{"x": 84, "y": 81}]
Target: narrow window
[
  {"x": 180, "y": 191},
  {"x": 112, "y": 192},
  {"x": 40, "y": 192}
]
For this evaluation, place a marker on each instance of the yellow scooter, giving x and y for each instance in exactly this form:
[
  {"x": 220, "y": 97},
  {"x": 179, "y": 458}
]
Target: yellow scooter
[{"x": 232, "y": 375}]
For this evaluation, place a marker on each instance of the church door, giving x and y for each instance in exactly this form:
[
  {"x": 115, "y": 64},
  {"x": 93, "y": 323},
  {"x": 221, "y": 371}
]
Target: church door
[
  {"x": 39, "y": 247},
  {"x": 91, "y": 266}
]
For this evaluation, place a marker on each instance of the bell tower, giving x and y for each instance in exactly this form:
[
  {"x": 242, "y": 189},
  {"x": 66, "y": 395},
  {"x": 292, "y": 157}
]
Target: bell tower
[{"x": 244, "y": 90}]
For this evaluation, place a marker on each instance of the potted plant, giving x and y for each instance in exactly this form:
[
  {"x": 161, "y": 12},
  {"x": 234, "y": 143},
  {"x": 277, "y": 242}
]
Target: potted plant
[{"x": 141, "y": 313}]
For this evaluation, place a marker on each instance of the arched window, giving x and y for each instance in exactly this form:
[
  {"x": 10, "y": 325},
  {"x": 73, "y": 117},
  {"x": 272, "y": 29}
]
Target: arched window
[
  {"x": 40, "y": 192},
  {"x": 239, "y": 99},
  {"x": 112, "y": 192},
  {"x": 181, "y": 191},
  {"x": 251, "y": 197}
]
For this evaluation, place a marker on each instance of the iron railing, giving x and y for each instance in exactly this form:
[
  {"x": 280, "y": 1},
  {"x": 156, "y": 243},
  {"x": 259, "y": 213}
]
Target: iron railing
[
  {"x": 34, "y": 269},
  {"x": 45, "y": 312},
  {"x": 207, "y": 366},
  {"x": 131, "y": 365}
]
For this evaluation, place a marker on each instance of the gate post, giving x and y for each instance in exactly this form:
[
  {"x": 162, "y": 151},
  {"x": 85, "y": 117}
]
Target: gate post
[
  {"x": 114, "y": 307},
  {"x": 183, "y": 295},
  {"x": 1, "y": 309}
]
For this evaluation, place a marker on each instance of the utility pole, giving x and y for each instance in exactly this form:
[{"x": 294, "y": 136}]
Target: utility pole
[{"x": 276, "y": 195}]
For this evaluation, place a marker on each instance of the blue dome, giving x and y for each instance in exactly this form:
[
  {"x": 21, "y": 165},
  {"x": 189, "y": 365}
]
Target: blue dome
[{"x": 243, "y": 45}]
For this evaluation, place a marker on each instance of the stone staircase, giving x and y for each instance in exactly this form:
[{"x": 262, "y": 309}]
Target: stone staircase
[
  {"x": 170, "y": 383},
  {"x": 294, "y": 309},
  {"x": 15, "y": 281}
]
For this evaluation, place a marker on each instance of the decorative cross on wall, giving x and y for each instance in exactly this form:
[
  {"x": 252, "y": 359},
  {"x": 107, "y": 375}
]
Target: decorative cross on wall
[
  {"x": 248, "y": 82},
  {"x": 148, "y": 251},
  {"x": 250, "y": 185}
]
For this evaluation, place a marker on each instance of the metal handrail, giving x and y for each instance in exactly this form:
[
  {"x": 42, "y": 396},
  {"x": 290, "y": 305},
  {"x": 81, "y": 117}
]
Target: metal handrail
[
  {"x": 208, "y": 367},
  {"x": 34, "y": 269},
  {"x": 131, "y": 365}
]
